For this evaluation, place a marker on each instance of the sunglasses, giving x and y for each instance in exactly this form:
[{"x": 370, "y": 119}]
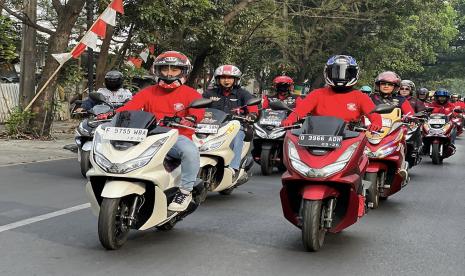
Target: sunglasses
[
  {"x": 386, "y": 84},
  {"x": 405, "y": 88}
]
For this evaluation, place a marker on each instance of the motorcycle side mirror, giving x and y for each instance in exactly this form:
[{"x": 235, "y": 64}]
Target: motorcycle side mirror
[
  {"x": 200, "y": 103},
  {"x": 419, "y": 114},
  {"x": 279, "y": 106},
  {"x": 253, "y": 101},
  {"x": 97, "y": 97},
  {"x": 383, "y": 109},
  {"x": 458, "y": 110}
]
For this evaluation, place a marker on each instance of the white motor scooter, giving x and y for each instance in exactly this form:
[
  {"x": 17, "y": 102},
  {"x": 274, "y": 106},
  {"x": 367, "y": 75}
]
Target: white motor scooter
[
  {"x": 214, "y": 136},
  {"x": 132, "y": 179}
]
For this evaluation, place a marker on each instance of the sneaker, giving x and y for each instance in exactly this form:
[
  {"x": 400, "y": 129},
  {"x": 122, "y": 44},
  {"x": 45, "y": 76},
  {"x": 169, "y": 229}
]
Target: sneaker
[{"x": 181, "y": 201}]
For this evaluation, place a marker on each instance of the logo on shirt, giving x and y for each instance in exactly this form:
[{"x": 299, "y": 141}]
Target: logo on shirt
[
  {"x": 215, "y": 99},
  {"x": 178, "y": 106},
  {"x": 351, "y": 107}
]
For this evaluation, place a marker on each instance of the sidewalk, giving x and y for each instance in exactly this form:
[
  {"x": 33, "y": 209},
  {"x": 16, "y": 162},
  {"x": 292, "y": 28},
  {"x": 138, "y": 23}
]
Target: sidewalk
[{"x": 26, "y": 151}]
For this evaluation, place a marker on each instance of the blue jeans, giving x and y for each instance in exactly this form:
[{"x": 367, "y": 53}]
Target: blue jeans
[
  {"x": 237, "y": 145},
  {"x": 186, "y": 150}
]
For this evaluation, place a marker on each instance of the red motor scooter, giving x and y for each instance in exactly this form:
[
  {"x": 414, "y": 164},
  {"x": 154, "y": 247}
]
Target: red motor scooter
[
  {"x": 438, "y": 134},
  {"x": 322, "y": 187},
  {"x": 387, "y": 169}
]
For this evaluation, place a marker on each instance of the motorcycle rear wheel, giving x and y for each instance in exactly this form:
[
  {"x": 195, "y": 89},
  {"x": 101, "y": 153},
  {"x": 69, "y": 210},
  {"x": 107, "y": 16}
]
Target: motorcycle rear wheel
[
  {"x": 112, "y": 230},
  {"x": 226, "y": 192},
  {"x": 313, "y": 231},
  {"x": 435, "y": 156}
]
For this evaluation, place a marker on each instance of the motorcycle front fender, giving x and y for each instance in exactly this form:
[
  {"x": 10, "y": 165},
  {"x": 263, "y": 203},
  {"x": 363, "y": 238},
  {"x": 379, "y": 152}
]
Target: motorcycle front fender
[
  {"x": 87, "y": 146},
  {"x": 118, "y": 188},
  {"x": 318, "y": 192},
  {"x": 267, "y": 145}
]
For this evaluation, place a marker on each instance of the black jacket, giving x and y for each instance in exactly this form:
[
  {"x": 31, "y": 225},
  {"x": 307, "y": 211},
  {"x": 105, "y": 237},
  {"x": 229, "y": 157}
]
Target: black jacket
[{"x": 237, "y": 98}]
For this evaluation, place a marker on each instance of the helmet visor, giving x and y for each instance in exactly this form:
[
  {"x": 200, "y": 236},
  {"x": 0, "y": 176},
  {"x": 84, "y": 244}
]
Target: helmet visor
[{"x": 341, "y": 72}]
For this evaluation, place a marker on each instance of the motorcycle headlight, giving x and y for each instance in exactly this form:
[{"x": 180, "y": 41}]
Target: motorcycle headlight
[
  {"x": 260, "y": 132},
  {"x": 305, "y": 170},
  {"x": 213, "y": 145},
  {"x": 133, "y": 164},
  {"x": 82, "y": 130},
  {"x": 276, "y": 133},
  {"x": 434, "y": 131}
]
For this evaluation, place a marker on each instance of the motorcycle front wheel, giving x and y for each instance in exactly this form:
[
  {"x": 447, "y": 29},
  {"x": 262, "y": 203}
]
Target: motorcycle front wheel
[
  {"x": 85, "y": 162},
  {"x": 313, "y": 231},
  {"x": 113, "y": 230},
  {"x": 373, "y": 192},
  {"x": 266, "y": 162},
  {"x": 435, "y": 156}
]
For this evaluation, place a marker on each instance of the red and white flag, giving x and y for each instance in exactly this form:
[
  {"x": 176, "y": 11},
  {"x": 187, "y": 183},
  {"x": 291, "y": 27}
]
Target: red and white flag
[{"x": 97, "y": 30}]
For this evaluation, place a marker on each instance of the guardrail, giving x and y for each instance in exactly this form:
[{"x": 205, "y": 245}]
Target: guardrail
[{"x": 9, "y": 99}]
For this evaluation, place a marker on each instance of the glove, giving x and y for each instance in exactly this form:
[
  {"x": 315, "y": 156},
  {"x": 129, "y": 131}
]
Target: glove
[
  {"x": 287, "y": 122},
  {"x": 251, "y": 117},
  {"x": 105, "y": 116},
  {"x": 374, "y": 127},
  {"x": 188, "y": 121}
]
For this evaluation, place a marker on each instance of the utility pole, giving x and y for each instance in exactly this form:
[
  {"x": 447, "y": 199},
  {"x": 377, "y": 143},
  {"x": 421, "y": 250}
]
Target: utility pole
[
  {"x": 90, "y": 51},
  {"x": 286, "y": 28},
  {"x": 27, "y": 81}
]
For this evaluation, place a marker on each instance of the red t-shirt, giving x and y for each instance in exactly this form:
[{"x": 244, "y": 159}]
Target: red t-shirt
[
  {"x": 161, "y": 103},
  {"x": 444, "y": 109},
  {"x": 349, "y": 106}
]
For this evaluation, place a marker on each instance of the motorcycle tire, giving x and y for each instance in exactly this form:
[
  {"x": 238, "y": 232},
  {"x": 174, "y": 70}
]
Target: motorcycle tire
[
  {"x": 167, "y": 226},
  {"x": 111, "y": 231},
  {"x": 266, "y": 164},
  {"x": 373, "y": 191},
  {"x": 85, "y": 162},
  {"x": 435, "y": 156},
  {"x": 226, "y": 192},
  {"x": 313, "y": 231}
]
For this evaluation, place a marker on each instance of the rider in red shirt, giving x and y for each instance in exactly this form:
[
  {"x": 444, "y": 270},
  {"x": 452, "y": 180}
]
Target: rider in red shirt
[
  {"x": 283, "y": 85},
  {"x": 170, "y": 97},
  {"x": 441, "y": 102},
  {"x": 338, "y": 98},
  {"x": 454, "y": 99}
]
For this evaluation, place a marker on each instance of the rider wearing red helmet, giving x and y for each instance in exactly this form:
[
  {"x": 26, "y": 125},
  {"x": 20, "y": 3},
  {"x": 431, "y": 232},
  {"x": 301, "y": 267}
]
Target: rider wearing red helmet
[
  {"x": 283, "y": 85},
  {"x": 387, "y": 84},
  {"x": 228, "y": 96},
  {"x": 338, "y": 98},
  {"x": 171, "y": 97}
]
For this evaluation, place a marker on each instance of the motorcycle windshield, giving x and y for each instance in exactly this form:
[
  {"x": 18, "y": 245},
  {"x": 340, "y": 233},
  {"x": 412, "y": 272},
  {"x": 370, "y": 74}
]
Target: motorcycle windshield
[
  {"x": 270, "y": 117},
  {"x": 214, "y": 116},
  {"x": 323, "y": 125},
  {"x": 100, "y": 109},
  {"x": 133, "y": 119}
]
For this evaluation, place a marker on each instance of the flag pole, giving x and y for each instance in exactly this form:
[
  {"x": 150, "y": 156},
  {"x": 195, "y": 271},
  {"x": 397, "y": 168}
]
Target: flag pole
[{"x": 58, "y": 69}]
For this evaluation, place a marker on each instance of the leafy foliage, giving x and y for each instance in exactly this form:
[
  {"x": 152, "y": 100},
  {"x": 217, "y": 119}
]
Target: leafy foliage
[{"x": 8, "y": 38}]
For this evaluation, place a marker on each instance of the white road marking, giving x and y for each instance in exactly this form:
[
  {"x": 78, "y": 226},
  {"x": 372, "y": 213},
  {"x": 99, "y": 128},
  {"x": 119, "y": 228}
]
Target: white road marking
[
  {"x": 24, "y": 222},
  {"x": 34, "y": 162}
]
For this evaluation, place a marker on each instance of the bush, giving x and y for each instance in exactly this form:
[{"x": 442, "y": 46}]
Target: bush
[{"x": 17, "y": 122}]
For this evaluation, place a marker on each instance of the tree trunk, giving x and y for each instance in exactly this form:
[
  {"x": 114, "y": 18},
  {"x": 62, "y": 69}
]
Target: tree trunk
[
  {"x": 27, "y": 80},
  {"x": 102, "y": 63},
  {"x": 57, "y": 43},
  {"x": 197, "y": 67}
]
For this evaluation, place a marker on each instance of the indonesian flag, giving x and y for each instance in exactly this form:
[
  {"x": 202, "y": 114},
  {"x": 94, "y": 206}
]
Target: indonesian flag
[
  {"x": 97, "y": 30},
  {"x": 134, "y": 62},
  {"x": 150, "y": 50}
]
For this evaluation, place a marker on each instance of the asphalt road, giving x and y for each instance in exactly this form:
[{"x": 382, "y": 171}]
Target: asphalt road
[{"x": 419, "y": 231}]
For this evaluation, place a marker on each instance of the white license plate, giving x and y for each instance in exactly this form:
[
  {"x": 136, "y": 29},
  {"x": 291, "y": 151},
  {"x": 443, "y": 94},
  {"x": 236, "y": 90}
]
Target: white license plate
[
  {"x": 207, "y": 128},
  {"x": 436, "y": 121},
  {"x": 125, "y": 134},
  {"x": 270, "y": 122},
  {"x": 387, "y": 122}
]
